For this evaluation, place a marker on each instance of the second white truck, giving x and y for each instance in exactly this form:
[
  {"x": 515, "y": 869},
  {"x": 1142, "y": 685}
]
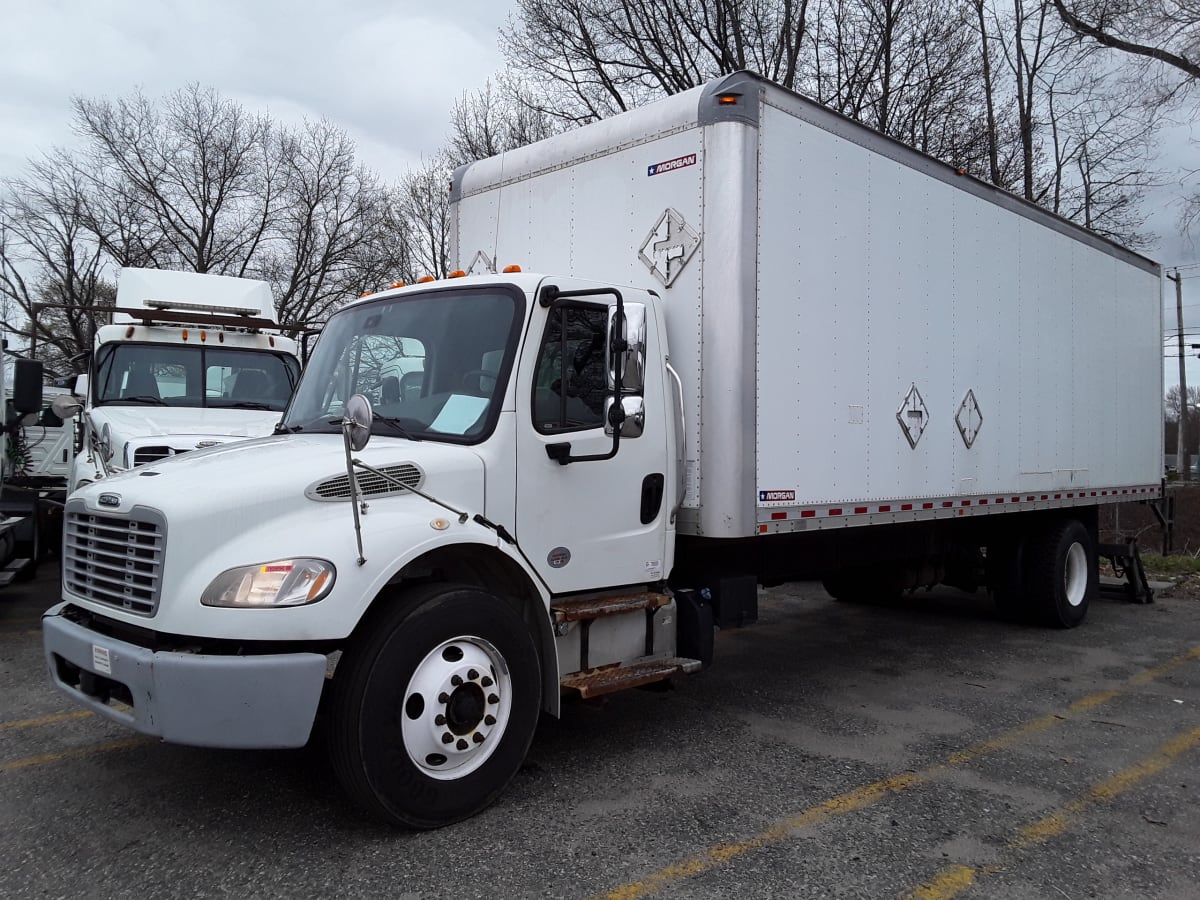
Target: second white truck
[
  {"x": 752, "y": 342},
  {"x": 190, "y": 360}
]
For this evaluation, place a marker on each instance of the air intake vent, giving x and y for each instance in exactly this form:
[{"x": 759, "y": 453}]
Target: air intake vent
[
  {"x": 369, "y": 484},
  {"x": 143, "y": 455}
]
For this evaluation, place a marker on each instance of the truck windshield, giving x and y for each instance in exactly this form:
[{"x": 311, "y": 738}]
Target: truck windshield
[
  {"x": 433, "y": 364},
  {"x": 198, "y": 377}
]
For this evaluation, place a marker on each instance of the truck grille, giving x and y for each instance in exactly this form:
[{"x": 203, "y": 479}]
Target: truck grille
[
  {"x": 369, "y": 484},
  {"x": 115, "y": 559}
]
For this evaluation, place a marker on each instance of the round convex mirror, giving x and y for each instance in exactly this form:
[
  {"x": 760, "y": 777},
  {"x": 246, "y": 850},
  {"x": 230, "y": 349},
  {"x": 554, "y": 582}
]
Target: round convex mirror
[{"x": 358, "y": 421}]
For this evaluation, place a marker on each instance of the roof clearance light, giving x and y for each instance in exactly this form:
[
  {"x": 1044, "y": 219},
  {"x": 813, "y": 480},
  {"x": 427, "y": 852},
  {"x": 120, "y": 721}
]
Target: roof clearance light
[
  {"x": 511, "y": 270},
  {"x": 425, "y": 279},
  {"x": 365, "y": 294},
  {"x": 397, "y": 284},
  {"x": 457, "y": 273},
  {"x": 203, "y": 336},
  {"x": 271, "y": 339},
  {"x": 185, "y": 334},
  {"x": 728, "y": 99},
  {"x": 221, "y": 336},
  {"x": 129, "y": 332}
]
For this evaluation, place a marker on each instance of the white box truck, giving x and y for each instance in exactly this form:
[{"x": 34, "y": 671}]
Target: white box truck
[
  {"x": 189, "y": 360},
  {"x": 766, "y": 344}
]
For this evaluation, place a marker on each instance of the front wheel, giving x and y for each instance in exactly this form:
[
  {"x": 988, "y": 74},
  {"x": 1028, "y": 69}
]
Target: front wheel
[{"x": 433, "y": 706}]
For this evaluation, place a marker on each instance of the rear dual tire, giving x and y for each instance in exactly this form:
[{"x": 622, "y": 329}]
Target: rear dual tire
[{"x": 1048, "y": 577}]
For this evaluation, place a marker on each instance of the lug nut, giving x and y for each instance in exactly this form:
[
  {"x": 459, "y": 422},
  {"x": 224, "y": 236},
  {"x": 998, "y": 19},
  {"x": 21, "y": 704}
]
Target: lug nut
[
  {"x": 439, "y": 720},
  {"x": 461, "y": 745},
  {"x": 472, "y": 675},
  {"x": 486, "y": 682},
  {"x": 492, "y": 698},
  {"x": 447, "y": 738},
  {"x": 443, "y": 697},
  {"x": 477, "y": 738},
  {"x": 489, "y": 720},
  {"x": 456, "y": 680}
]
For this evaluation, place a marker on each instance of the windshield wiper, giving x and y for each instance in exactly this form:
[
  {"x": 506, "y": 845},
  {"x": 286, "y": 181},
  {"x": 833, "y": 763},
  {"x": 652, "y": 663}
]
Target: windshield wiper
[
  {"x": 243, "y": 404},
  {"x": 393, "y": 422},
  {"x": 140, "y": 398}
]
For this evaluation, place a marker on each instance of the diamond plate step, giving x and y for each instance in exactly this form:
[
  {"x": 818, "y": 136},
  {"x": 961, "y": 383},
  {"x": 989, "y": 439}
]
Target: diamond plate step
[
  {"x": 587, "y": 608},
  {"x": 596, "y": 682}
]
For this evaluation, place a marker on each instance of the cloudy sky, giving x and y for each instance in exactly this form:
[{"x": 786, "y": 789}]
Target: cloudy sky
[{"x": 387, "y": 71}]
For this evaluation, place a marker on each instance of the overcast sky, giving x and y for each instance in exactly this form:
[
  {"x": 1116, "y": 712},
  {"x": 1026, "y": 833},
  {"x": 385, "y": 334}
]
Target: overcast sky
[{"x": 387, "y": 71}]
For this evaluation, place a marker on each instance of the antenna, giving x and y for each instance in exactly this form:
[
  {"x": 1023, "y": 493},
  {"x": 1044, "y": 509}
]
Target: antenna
[{"x": 499, "y": 207}]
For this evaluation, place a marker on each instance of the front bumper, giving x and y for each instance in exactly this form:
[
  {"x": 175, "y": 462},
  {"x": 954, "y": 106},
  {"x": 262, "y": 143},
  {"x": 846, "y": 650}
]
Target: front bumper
[{"x": 205, "y": 700}]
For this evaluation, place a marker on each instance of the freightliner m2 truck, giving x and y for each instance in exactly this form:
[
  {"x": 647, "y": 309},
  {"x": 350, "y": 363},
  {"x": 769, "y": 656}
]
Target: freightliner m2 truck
[
  {"x": 190, "y": 360},
  {"x": 763, "y": 343}
]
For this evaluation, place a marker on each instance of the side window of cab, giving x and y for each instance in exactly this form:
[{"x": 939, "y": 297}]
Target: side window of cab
[{"x": 570, "y": 383}]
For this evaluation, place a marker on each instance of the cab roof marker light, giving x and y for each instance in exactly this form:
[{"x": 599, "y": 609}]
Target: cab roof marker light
[
  {"x": 511, "y": 270},
  {"x": 397, "y": 284},
  {"x": 457, "y": 273},
  {"x": 203, "y": 336},
  {"x": 425, "y": 279},
  {"x": 129, "y": 332},
  {"x": 185, "y": 334}
]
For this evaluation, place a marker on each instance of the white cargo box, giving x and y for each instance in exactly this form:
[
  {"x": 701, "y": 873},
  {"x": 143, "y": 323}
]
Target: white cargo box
[{"x": 864, "y": 334}]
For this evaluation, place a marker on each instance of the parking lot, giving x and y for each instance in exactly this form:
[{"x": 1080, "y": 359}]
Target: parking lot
[{"x": 927, "y": 750}]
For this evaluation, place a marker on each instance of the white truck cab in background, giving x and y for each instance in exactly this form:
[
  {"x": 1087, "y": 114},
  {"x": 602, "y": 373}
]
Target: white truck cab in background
[
  {"x": 768, "y": 344},
  {"x": 190, "y": 360}
]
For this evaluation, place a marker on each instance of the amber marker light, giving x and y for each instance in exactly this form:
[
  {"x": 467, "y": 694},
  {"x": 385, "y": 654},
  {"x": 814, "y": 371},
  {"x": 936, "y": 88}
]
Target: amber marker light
[
  {"x": 203, "y": 336},
  {"x": 511, "y": 270},
  {"x": 185, "y": 334},
  {"x": 457, "y": 273},
  {"x": 425, "y": 279},
  {"x": 728, "y": 99},
  {"x": 399, "y": 284}
]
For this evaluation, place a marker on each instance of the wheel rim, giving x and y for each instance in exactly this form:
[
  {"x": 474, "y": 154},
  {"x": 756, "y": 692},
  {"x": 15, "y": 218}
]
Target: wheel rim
[
  {"x": 1075, "y": 574},
  {"x": 456, "y": 707}
]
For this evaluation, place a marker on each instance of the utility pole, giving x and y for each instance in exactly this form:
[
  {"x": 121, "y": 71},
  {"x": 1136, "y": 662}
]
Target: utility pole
[{"x": 1181, "y": 462}]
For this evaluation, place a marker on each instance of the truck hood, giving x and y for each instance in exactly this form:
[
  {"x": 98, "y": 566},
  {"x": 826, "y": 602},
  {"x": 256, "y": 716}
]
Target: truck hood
[
  {"x": 238, "y": 484},
  {"x": 140, "y": 434}
]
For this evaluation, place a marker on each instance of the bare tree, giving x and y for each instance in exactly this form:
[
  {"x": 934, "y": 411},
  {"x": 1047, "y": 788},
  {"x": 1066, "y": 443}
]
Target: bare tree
[
  {"x": 1167, "y": 31},
  {"x": 49, "y": 256},
  {"x": 499, "y": 116},
  {"x": 422, "y": 205}
]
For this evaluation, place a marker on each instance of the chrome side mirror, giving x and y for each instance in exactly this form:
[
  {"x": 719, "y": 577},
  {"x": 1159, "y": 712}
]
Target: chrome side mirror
[
  {"x": 634, "y": 422},
  {"x": 65, "y": 406},
  {"x": 356, "y": 423},
  {"x": 633, "y": 361}
]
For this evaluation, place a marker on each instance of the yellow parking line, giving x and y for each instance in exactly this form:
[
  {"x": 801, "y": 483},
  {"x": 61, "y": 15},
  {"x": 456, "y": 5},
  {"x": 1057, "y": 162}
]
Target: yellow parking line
[
  {"x": 871, "y": 793},
  {"x": 46, "y": 758},
  {"x": 953, "y": 880},
  {"x": 45, "y": 720}
]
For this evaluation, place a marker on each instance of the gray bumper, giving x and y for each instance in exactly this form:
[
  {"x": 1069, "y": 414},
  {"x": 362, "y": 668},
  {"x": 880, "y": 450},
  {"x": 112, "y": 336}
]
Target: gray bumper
[{"x": 187, "y": 698}]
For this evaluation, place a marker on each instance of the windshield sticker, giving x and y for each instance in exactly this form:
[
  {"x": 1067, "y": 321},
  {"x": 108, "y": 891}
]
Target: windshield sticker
[
  {"x": 679, "y": 162},
  {"x": 460, "y": 413}
]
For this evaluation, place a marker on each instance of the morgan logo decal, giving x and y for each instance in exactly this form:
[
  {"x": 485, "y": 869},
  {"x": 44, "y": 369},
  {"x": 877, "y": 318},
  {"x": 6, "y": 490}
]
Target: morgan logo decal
[
  {"x": 110, "y": 500},
  {"x": 775, "y": 496},
  {"x": 679, "y": 162}
]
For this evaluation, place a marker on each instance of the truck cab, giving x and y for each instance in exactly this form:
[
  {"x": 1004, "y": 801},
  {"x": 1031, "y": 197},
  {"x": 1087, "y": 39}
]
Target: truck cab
[{"x": 190, "y": 361}]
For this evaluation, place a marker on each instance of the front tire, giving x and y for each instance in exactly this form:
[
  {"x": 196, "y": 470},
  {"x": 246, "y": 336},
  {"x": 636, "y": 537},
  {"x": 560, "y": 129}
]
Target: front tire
[{"x": 433, "y": 706}]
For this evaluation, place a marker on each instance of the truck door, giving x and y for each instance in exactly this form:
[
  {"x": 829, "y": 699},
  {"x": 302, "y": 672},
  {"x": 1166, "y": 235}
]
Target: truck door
[{"x": 592, "y": 523}]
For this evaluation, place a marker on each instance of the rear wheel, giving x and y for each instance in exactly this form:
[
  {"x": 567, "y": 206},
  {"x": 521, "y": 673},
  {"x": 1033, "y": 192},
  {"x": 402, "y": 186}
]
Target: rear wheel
[
  {"x": 1062, "y": 574},
  {"x": 433, "y": 706}
]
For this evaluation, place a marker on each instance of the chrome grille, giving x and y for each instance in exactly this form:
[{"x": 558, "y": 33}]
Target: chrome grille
[
  {"x": 369, "y": 484},
  {"x": 115, "y": 559}
]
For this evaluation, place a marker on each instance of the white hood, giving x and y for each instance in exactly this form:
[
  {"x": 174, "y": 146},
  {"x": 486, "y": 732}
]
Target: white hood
[{"x": 181, "y": 429}]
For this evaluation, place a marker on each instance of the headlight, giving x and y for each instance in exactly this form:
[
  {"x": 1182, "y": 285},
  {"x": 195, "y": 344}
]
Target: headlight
[{"x": 284, "y": 582}]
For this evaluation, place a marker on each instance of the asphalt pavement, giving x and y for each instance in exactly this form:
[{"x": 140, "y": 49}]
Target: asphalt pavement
[{"x": 925, "y": 750}]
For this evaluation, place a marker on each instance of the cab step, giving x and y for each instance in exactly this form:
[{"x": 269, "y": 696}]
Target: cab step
[
  {"x": 586, "y": 609},
  {"x": 16, "y": 570},
  {"x": 609, "y": 680}
]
